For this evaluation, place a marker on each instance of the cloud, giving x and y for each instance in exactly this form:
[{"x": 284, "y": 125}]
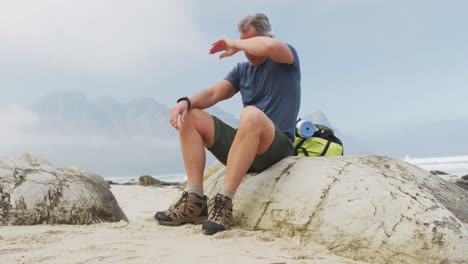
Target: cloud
[
  {"x": 96, "y": 36},
  {"x": 14, "y": 121}
]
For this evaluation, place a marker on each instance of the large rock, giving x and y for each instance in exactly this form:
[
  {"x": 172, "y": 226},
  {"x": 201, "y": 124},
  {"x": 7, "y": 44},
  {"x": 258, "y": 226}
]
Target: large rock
[
  {"x": 34, "y": 192},
  {"x": 367, "y": 208},
  {"x": 147, "y": 180},
  {"x": 462, "y": 182}
]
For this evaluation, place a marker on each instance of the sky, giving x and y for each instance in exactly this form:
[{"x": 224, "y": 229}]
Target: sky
[{"x": 369, "y": 64}]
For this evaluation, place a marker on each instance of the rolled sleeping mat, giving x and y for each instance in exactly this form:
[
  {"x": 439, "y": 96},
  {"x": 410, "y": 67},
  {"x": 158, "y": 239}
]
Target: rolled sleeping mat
[{"x": 305, "y": 128}]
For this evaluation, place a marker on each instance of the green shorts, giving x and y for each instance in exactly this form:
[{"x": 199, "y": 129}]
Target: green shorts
[{"x": 224, "y": 136}]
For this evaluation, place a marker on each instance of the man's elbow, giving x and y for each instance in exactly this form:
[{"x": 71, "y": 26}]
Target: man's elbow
[
  {"x": 273, "y": 47},
  {"x": 281, "y": 53}
]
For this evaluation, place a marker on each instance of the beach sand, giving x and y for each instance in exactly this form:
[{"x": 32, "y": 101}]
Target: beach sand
[{"x": 143, "y": 240}]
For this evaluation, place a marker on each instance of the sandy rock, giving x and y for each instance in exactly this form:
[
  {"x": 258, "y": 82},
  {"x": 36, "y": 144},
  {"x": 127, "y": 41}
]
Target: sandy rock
[
  {"x": 73, "y": 170},
  {"x": 147, "y": 180},
  {"x": 437, "y": 172},
  {"x": 366, "y": 208},
  {"x": 35, "y": 161},
  {"x": 462, "y": 182},
  {"x": 34, "y": 192}
]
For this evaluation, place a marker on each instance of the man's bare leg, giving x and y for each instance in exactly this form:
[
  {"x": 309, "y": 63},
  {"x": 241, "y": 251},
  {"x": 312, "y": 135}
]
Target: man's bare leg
[
  {"x": 254, "y": 136},
  {"x": 196, "y": 133}
]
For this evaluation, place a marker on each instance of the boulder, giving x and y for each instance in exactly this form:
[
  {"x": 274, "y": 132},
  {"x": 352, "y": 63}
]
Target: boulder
[
  {"x": 437, "y": 172},
  {"x": 34, "y": 192},
  {"x": 367, "y": 208},
  {"x": 147, "y": 180},
  {"x": 462, "y": 182},
  {"x": 73, "y": 170}
]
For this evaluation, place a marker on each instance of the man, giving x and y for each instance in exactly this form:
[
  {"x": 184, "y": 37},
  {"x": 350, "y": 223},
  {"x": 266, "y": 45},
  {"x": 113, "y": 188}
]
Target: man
[{"x": 269, "y": 84}]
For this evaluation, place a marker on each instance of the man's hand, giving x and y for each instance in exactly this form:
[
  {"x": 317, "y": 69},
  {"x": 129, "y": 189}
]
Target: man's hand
[
  {"x": 180, "y": 109},
  {"x": 224, "y": 44}
]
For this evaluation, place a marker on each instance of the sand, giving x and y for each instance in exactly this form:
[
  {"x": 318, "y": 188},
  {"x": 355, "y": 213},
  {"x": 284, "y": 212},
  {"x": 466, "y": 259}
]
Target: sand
[{"x": 143, "y": 240}]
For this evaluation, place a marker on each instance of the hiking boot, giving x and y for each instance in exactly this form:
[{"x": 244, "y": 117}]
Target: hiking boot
[
  {"x": 220, "y": 215},
  {"x": 190, "y": 208}
]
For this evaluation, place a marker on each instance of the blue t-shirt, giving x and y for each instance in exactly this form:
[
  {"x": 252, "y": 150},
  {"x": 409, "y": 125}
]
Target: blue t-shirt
[{"x": 274, "y": 88}]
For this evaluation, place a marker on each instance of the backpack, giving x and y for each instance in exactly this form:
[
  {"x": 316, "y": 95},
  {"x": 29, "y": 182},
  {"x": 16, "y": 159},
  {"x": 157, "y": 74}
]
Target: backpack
[{"x": 322, "y": 143}]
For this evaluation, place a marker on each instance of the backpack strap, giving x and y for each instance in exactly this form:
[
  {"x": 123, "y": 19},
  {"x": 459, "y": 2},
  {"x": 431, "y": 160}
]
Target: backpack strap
[
  {"x": 304, "y": 150},
  {"x": 326, "y": 148},
  {"x": 299, "y": 146}
]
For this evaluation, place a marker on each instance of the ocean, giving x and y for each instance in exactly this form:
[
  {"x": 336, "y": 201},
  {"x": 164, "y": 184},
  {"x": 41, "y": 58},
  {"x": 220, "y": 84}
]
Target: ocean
[
  {"x": 455, "y": 167},
  {"x": 171, "y": 177}
]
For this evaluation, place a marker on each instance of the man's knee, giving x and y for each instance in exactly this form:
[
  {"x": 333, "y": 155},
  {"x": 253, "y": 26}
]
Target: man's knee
[
  {"x": 201, "y": 122},
  {"x": 251, "y": 117},
  {"x": 192, "y": 117},
  {"x": 254, "y": 122}
]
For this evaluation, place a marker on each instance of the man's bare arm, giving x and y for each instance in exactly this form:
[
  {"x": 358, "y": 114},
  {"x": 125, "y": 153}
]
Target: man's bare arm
[
  {"x": 216, "y": 93},
  {"x": 203, "y": 99},
  {"x": 258, "y": 46}
]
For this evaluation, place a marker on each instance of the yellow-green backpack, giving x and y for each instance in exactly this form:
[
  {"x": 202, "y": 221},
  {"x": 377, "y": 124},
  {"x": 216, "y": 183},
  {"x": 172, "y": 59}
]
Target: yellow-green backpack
[{"x": 322, "y": 143}]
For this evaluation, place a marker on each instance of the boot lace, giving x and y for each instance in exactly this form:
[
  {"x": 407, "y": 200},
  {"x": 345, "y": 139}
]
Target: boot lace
[
  {"x": 217, "y": 204},
  {"x": 183, "y": 200}
]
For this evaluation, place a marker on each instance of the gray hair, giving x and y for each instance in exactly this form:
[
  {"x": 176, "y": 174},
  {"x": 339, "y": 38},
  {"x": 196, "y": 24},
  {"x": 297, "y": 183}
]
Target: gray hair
[{"x": 259, "y": 21}]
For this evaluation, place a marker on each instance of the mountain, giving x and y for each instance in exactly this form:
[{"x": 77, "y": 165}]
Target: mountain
[
  {"x": 73, "y": 114},
  {"x": 107, "y": 136},
  {"x": 69, "y": 113}
]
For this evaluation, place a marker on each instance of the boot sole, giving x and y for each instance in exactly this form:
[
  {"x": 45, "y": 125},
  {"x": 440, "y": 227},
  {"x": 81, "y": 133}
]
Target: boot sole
[
  {"x": 210, "y": 232},
  {"x": 196, "y": 221}
]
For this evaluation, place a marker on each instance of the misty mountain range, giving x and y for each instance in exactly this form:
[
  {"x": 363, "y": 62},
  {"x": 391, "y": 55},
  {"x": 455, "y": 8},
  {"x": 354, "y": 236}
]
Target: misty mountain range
[
  {"x": 132, "y": 138},
  {"x": 105, "y": 136},
  {"x": 142, "y": 118}
]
